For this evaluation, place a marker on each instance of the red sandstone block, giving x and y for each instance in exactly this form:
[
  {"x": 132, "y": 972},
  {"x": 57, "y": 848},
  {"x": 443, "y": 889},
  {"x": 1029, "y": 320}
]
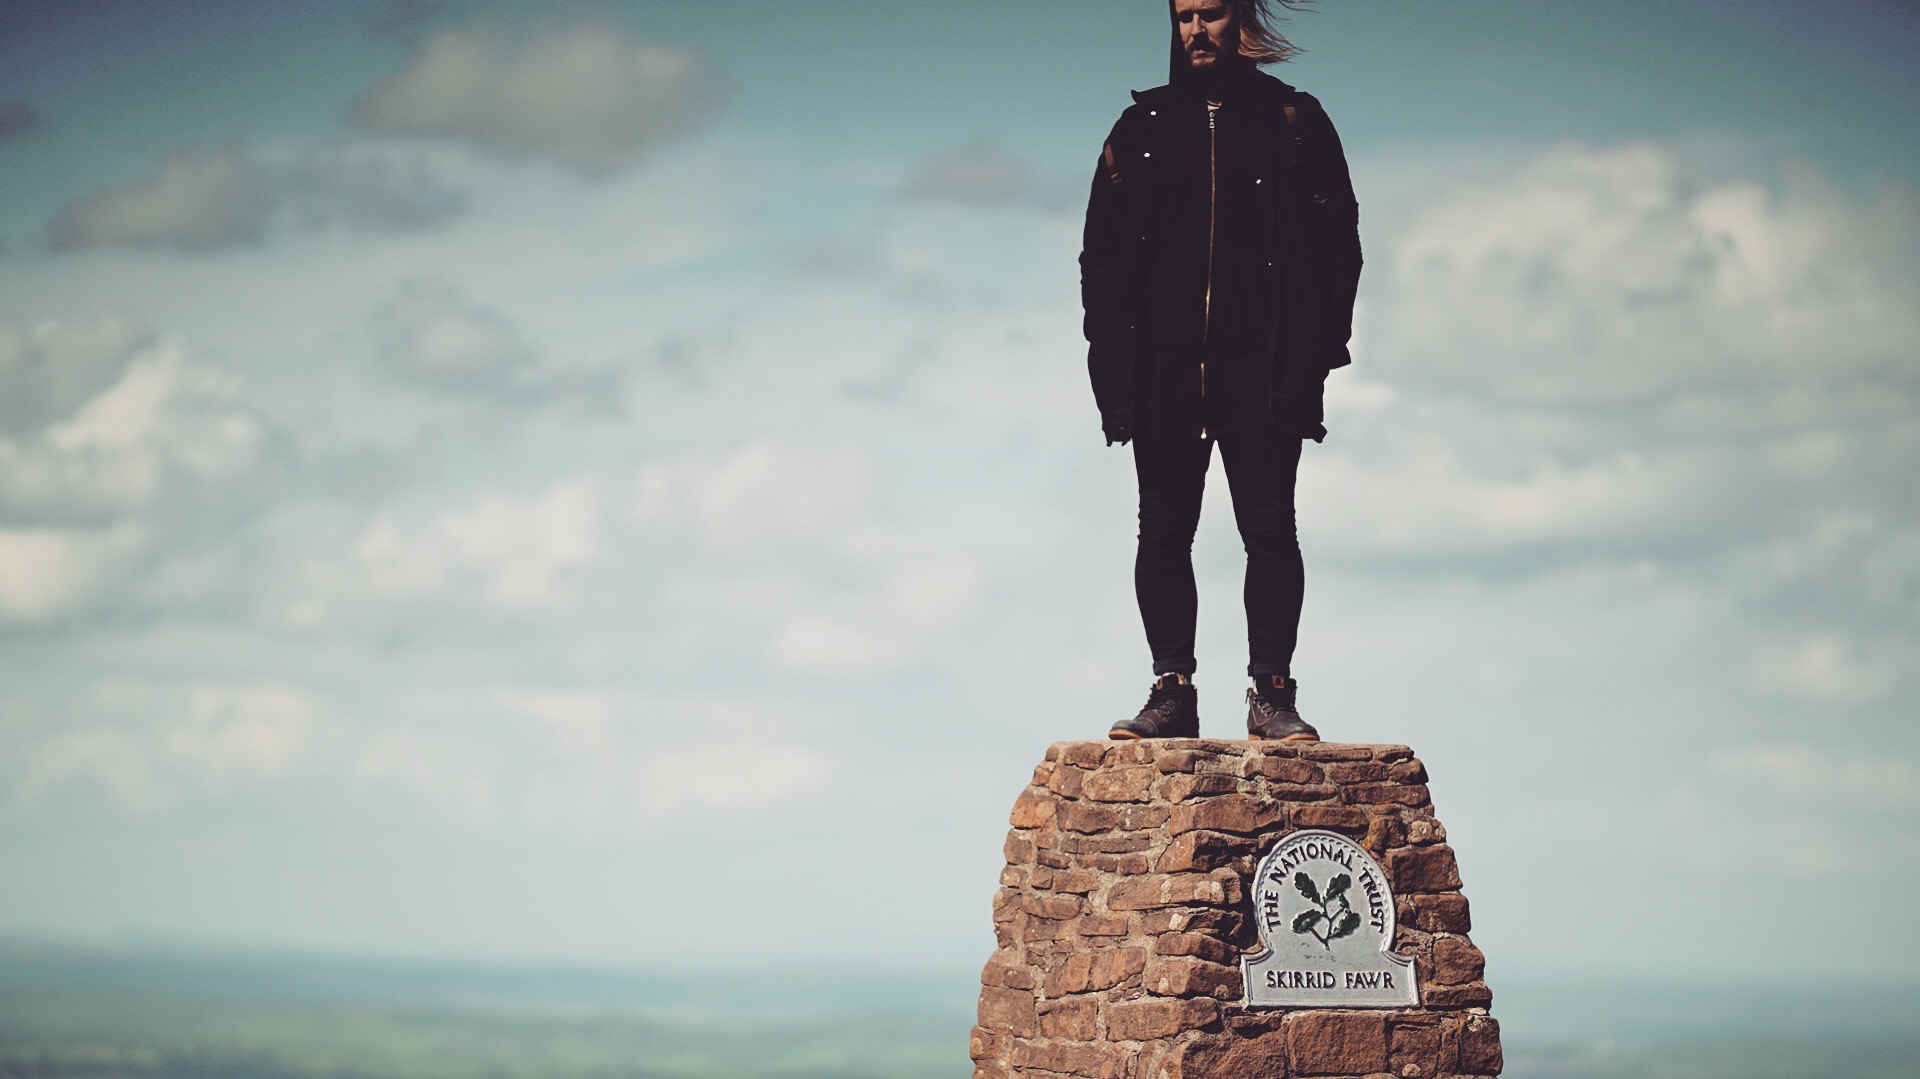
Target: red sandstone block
[
  {"x": 1391, "y": 753},
  {"x": 1013, "y": 876},
  {"x": 1470, "y": 995},
  {"x": 1186, "y": 976},
  {"x": 1145, "y": 1020},
  {"x": 1006, "y": 903},
  {"x": 1198, "y": 945},
  {"x": 1017, "y": 848},
  {"x": 1006, "y": 971},
  {"x": 1088, "y": 817},
  {"x": 1101, "y": 925},
  {"x": 992, "y": 1069},
  {"x": 1410, "y": 941},
  {"x": 1203, "y": 851},
  {"x": 1385, "y": 832},
  {"x": 1296, "y": 792},
  {"x": 1239, "y": 813},
  {"x": 1424, "y": 830},
  {"x": 1125, "y": 864},
  {"x": 1338, "y": 818},
  {"x": 1086, "y": 1061},
  {"x": 1067, "y": 782},
  {"x": 1219, "y": 924},
  {"x": 1129, "y": 784},
  {"x": 1445, "y": 913},
  {"x": 1456, "y": 961},
  {"x": 984, "y": 1044},
  {"x": 1071, "y": 1018},
  {"x": 1008, "y": 1011},
  {"x": 1134, "y": 818},
  {"x": 1423, "y": 869},
  {"x": 1083, "y": 754},
  {"x": 1415, "y": 1050},
  {"x": 1357, "y": 772},
  {"x": 1120, "y": 754},
  {"x": 1035, "y": 930},
  {"x": 1051, "y": 906},
  {"x": 1335, "y": 751},
  {"x": 1033, "y": 809},
  {"x": 1195, "y": 760},
  {"x": 1480, "y": 1046},
  {"x": 1108, "y": 843},
  {"x": 1080, "y": 881},
  {"x": 1386, "y": 794},
  {"x": 1407, "y": 771},
  {"x": 1174, "y": 889},
  {"x": 1256, "y": 1054},
  {"x": 1285, "y": 769},
  {"x": 1336, "y": 1043},
  {"x": 1182, "y": 786},
  {"x": 1102, "y": 968}
]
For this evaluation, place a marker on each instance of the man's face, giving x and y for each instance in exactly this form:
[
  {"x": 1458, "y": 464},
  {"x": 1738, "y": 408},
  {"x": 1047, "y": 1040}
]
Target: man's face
[{"x": 1207, "y": 31}]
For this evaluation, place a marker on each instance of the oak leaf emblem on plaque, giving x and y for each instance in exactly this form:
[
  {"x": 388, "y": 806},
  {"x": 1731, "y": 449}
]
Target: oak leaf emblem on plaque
[{"x": 1334, "y": 910}]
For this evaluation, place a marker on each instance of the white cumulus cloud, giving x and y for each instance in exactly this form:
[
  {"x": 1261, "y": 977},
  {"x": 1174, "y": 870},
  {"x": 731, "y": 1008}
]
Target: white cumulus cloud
[
  {"x": 590, "y": 96},
  {"x": 202, "y": 198}
]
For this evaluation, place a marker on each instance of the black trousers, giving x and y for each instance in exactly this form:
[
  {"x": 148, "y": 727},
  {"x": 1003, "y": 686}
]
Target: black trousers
[{"x": 1260, "y": 477}]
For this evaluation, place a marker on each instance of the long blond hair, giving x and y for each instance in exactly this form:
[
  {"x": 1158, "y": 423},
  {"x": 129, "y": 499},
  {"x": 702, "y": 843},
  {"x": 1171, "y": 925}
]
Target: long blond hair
[{"x": 1260, "y": 42}]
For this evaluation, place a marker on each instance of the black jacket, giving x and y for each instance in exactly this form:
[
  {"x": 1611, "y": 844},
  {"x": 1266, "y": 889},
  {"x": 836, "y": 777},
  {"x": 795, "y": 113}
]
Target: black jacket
[{"x": 1295, "y": 228}]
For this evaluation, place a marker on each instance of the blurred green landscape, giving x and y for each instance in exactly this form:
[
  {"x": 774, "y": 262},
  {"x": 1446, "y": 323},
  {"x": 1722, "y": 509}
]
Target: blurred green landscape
[{"x": 173, "y": 1013}]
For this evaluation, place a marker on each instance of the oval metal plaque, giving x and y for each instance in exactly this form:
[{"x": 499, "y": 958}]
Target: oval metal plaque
[{"x": 1325, "y": 912}]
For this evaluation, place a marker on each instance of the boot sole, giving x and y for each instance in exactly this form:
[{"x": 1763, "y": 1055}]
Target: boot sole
[{"x": 1289, "y": 738}]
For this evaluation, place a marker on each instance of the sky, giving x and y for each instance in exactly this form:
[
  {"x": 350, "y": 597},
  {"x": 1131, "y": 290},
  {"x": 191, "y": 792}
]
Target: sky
[{"x": 617, "y": 484}]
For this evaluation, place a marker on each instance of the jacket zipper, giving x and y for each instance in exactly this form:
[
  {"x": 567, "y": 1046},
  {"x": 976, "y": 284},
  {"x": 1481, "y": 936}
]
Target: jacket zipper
[{"x": 1206, "y": 297}]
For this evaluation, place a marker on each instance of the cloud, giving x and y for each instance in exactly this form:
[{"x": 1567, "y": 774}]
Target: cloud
[
  {"x": 199, "y": 199},
  {"x": 113, "y": 440},
  {"x": 401, "y": 19},
  {"x": 47, "y": 573},
  {"x": 1822, "y": 670},
  {"x": 151, "y": 745},
  {"x": 580, "y": 761},
  {"x": 761, "y": 496},
  {"x": 429, "y": 333},
  {"x": 1611, "y": 275},
  {"x": 51, "y": 368},
  {"x": 18, "y": 120},
  {"x": 1803, "y": 773},
  {"x": 1607, "y": 356},
  {"x": 324, "y": 186},
  {"x": 591, "y": 97},
  {"x": 508, "y": 551},
  {"x": 979, "y": 175},
  {"x": 209, "y": 198}
]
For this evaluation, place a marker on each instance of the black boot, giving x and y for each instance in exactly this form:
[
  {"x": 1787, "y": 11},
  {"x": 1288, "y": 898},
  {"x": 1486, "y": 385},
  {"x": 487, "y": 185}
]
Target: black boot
[
  {"x": 1271, "y": 712},
  {"x": 1172, "y": 711}
]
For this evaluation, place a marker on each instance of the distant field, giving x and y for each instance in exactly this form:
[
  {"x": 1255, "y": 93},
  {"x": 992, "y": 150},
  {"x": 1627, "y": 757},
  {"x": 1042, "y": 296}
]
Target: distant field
[{"x": 68, "y": 1013}]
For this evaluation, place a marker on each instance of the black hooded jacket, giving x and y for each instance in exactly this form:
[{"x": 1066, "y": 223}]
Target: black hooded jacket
[{"x": 1220, "y": 261}]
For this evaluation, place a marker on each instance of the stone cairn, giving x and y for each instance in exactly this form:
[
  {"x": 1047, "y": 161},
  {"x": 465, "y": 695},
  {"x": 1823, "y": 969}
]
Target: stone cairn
[{"x": 1123, "y": 914}]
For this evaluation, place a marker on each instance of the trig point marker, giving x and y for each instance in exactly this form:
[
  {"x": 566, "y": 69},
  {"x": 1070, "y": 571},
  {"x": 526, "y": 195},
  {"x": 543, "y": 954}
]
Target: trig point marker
[{"x": 1205, "y": 909}]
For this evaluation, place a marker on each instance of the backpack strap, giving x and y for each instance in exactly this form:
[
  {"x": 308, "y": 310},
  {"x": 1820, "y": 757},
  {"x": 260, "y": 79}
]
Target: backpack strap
[{"x": 1300, "y": 142}]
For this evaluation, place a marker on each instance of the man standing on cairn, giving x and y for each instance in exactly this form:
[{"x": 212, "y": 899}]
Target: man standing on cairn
[{"x": 1221, "y": 257}]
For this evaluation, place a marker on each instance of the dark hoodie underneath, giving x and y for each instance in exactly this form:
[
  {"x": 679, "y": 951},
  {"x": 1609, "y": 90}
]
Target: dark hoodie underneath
[{"x": 1208, "y": 307}]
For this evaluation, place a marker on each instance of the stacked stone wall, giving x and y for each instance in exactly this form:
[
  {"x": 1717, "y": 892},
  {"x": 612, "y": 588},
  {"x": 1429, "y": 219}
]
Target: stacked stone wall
[{"x": 1123, "y": 913}]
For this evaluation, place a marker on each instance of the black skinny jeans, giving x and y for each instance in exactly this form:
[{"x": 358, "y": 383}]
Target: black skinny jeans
[{"x": 1260, "y": 476}]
